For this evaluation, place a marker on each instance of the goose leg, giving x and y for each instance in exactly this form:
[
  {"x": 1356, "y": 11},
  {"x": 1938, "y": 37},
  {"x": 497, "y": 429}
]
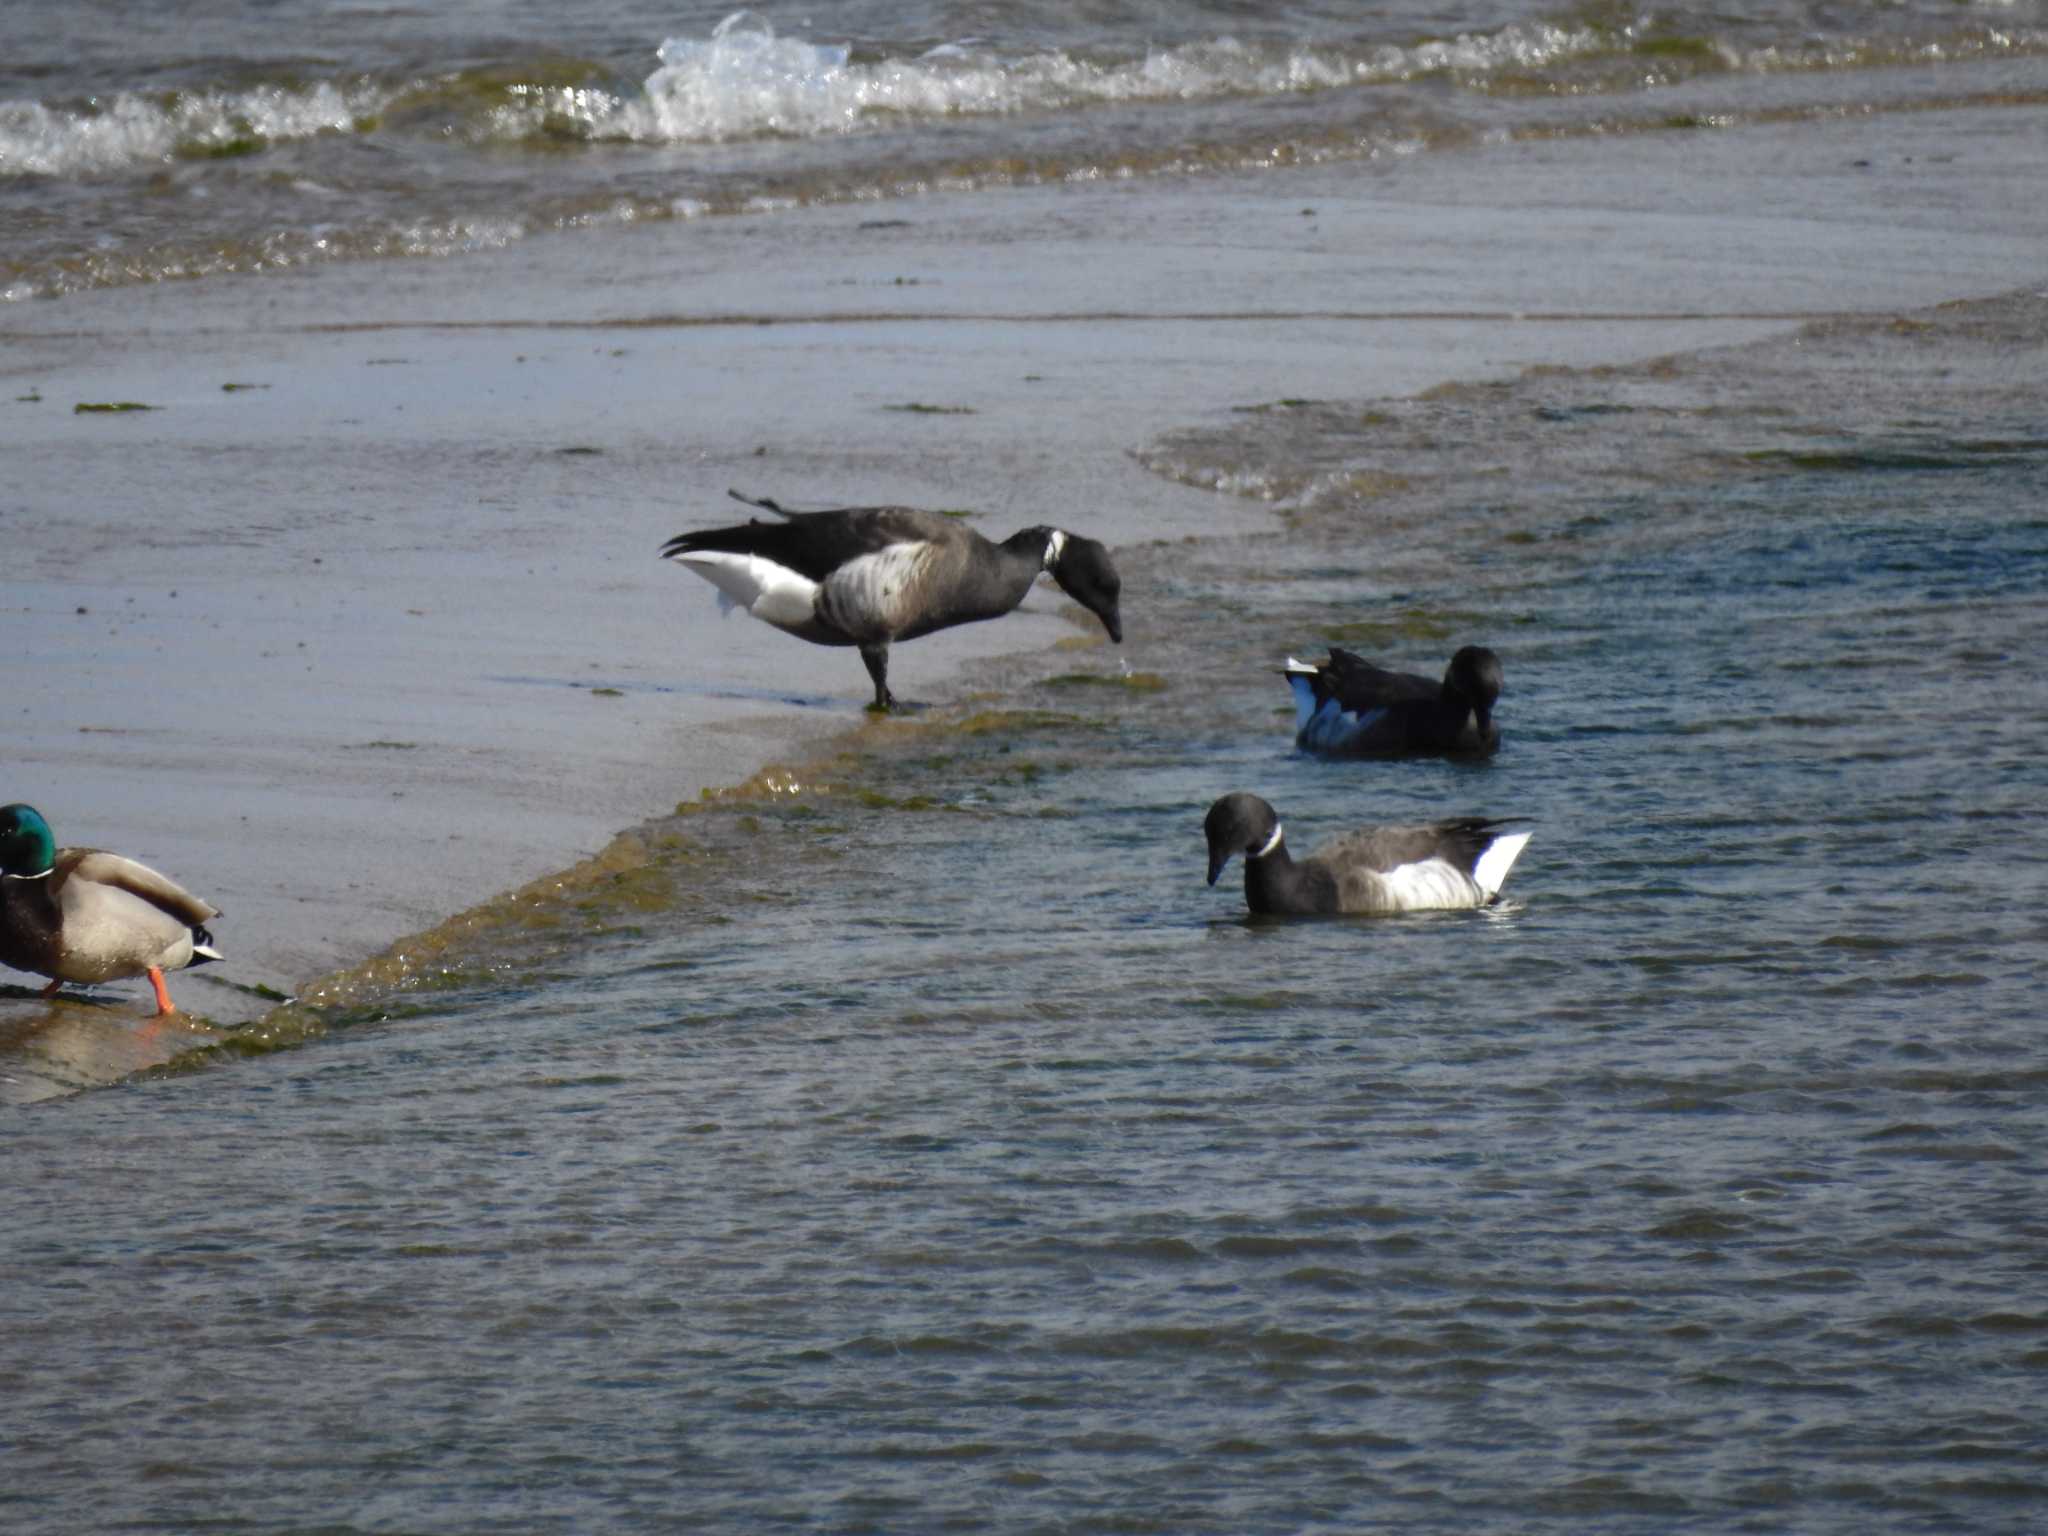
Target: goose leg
[
  {"x": 877, "y": 659},
  {"x": 163, "y": 994}
]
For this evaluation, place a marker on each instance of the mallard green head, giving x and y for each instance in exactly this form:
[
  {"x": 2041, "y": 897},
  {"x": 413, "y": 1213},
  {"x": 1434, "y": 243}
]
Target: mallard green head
[{"x": 26, "y": 846}]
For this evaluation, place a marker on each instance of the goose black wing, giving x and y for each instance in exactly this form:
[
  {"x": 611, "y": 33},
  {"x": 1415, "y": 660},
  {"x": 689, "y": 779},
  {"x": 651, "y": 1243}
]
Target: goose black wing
[
  {"x": 815, "y": 544},
  {"x": 1357, "y": 684}
]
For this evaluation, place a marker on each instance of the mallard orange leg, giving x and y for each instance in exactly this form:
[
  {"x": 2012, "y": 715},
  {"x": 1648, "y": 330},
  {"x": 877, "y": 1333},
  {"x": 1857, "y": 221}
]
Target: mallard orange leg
[
  {"x": 164, "y": 1004},
  {"x": 53, "y": 989}
]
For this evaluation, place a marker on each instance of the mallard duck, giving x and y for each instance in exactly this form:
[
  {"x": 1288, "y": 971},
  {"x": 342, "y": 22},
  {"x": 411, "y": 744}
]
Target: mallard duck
[
  {"x": 1377, "y": 871},
  {"x": 866, "y": 576},
  {"x": 85, "y": 915},
  {"x": 1347, "y": 707}
]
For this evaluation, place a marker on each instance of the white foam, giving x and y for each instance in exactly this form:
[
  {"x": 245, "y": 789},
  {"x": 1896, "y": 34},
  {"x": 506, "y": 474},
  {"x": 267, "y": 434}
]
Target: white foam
[
  {"x": 132, "y": 129},
  {"x": 745, "y": 81}
]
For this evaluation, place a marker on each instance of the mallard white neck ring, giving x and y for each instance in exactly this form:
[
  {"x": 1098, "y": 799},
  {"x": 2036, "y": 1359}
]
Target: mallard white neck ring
[
  {"x": 1270, "y": 844},
  {"x": 41, "y": 874},
  {"x": 1054, "y": 547}
]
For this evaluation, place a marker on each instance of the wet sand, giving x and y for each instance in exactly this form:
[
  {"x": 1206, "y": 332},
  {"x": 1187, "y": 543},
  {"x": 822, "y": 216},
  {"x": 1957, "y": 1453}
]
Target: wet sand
[{"x": 380, "y": 632}]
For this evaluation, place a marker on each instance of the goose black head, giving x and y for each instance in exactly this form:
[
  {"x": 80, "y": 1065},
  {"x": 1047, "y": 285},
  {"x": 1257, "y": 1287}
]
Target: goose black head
[
  {"x": 26, "y": 846},
  {"x": 1475, "y": 673},
  {"x": 1084, "y": 572},
  {"x": 1239, "y": 823}
]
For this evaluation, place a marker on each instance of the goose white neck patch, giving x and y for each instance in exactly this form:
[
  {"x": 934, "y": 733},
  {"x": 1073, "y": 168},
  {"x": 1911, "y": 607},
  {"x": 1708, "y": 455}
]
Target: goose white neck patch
[
  {"x": 1271, "y": 843},
  {"x": 1054, "y": 547}
]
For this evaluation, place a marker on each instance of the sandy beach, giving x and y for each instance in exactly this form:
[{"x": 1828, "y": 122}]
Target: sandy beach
[{"x": 361, "y": 622}]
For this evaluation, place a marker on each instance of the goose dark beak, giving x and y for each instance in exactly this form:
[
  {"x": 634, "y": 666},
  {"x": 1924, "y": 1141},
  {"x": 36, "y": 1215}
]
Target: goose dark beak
[{"x": 1216, "y": 863}]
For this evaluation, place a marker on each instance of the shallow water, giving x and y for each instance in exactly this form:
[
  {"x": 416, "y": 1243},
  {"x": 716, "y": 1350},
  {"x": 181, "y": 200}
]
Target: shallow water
[{"x": 914, "y": 1141}]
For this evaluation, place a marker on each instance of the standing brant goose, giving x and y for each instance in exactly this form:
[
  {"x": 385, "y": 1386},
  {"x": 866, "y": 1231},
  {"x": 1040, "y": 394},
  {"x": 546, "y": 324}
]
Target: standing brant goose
[
  {"x": 1378, "y": 871},
  {"x": 85, "y": 915},
  {"x": 868, "y": 575},
  {"x": 1347, "y": 707}
]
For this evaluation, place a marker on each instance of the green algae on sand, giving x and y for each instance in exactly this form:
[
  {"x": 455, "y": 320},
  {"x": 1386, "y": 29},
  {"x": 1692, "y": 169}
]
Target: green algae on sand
[
  {"x": 1135, "y": 682},
  {"x": 1403, "y": 624}
]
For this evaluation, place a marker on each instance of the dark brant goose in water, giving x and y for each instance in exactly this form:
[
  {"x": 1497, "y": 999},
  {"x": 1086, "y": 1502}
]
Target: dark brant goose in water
[
  {"x": 868, "y": 575},
  {"x": 1347, "y": 707},
  {"x": 1445, "y": 866},
  {"x": 85, "y": 915}
]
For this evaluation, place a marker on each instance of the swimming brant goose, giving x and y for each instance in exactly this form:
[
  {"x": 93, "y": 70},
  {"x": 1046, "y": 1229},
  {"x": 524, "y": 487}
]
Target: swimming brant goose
[
  {"x": 1378, "y": 871},
  {"x": 1347, "y": 707},
  {"x": 865, "y": 576},
  {"x": 85, "y": 915}
]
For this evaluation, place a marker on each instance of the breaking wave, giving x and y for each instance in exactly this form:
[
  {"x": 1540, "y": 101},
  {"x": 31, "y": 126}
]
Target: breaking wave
[{"x": 745, "y": 81}]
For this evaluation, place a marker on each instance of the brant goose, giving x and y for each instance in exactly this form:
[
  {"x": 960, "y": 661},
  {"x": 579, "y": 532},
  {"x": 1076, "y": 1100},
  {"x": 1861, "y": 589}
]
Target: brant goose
[
  {"x": 1377, "y": 871},
  {"x": 1347, "y": 707},
  {"x": 868, "y": 575},
  {"x": 84, "y": 915}
]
